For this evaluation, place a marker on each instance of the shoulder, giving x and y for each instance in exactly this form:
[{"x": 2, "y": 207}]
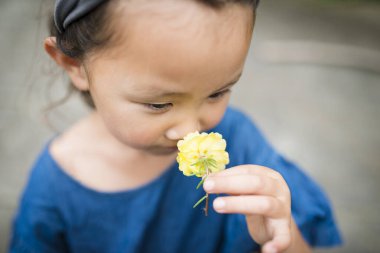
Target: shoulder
[
  {"x": 42, "y": 180},
  {"x": 37, "y": 224},
  {"x": 52, "y": 171}
]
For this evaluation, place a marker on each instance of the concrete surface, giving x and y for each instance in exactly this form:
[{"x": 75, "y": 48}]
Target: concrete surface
[{"x": 317, "y": 99}]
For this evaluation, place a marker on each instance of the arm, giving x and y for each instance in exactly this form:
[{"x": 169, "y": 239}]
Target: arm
[
  {"x": 38, "y": 225},
  {"x": 37, "y": 228}
]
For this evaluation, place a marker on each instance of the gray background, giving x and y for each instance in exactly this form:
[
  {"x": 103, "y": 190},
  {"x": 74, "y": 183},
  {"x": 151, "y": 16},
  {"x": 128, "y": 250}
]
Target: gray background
[{"x": 311, "y": 82}]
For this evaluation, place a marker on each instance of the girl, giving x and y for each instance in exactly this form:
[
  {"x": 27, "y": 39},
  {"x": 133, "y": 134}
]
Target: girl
[{"x": 155, "y": 71}]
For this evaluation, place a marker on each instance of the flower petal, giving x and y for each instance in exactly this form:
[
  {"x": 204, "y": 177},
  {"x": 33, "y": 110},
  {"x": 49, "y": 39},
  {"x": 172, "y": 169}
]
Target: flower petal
[{"x": 200, "y": 150}]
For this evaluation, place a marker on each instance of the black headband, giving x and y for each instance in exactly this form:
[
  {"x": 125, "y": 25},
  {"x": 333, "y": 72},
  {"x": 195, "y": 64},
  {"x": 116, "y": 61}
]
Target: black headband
[{"x": 68, "y": 11}]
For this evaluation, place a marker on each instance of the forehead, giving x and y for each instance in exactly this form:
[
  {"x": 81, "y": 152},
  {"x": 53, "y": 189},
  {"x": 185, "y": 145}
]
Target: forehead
[{"x": 179, "y": 42}]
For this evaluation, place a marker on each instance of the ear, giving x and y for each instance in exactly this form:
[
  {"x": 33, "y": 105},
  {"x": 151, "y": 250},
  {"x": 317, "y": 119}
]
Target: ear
[{"x": 74, "y": 68}]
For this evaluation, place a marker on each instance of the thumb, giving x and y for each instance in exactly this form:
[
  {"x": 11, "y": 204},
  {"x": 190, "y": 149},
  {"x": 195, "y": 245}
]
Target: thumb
[{"x": 281, "y": 240}]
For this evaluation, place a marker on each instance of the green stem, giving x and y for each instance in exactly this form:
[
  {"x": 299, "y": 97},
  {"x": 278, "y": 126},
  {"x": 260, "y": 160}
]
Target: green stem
[
  {"x": 207, "y": 173},
  {"x": 201, "y": 182},
  {"x": 205, "y": 163},
  {"x": 200, "y": 201}
]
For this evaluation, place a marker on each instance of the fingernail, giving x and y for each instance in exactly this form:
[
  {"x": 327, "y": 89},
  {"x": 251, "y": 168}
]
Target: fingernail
[
  {"x": 271, "y": 249},
  {"x": 208, "y": 185},
  {"x": 219, "y": 204}
]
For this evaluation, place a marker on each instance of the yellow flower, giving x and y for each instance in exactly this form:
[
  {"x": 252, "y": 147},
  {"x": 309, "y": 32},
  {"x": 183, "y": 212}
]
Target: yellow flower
[{"x": 202, "y": 153}]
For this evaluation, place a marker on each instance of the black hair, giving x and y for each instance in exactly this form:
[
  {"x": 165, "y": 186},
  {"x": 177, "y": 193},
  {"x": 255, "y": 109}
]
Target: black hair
[{"x": 93, "y": 32}]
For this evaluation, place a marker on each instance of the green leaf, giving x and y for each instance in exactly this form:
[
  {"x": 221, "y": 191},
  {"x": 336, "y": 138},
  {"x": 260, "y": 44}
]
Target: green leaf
[
  {"x": 211, "y": 163},
  {"x": 200, "y": 201},
  {"x": 194, "y": 164},
  {"x": 200, "y": 183}
]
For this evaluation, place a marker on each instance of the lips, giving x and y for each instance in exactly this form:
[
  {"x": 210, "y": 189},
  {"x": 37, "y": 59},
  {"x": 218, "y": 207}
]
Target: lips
[
  {"x": 174, "y": 146},
  {"x": 164, "y": 150},
  {"x": 171, "y": 147}
]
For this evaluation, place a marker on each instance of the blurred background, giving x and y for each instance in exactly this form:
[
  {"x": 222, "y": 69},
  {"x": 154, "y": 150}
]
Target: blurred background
[{"x": 311, "y": 83}]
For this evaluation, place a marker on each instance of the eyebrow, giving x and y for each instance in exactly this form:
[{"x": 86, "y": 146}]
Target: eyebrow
[
  {"x": 230, "y": 84},
  {"x": 158, "y": 93}
]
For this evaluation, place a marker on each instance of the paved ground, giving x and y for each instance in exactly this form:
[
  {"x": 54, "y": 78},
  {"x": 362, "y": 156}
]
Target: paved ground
[{"x": 312, "y": 82}]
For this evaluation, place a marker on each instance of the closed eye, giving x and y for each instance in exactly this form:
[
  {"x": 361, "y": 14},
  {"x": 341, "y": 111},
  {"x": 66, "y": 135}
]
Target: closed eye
[
  {"x": 219, "y": 95},
  {"x": 159, "y": 107}
]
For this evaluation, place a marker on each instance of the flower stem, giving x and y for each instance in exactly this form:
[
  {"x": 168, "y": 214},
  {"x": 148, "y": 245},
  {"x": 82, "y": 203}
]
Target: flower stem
[
  {"x": 206, "y": 163},
  {"x": 206, "y": 205}
]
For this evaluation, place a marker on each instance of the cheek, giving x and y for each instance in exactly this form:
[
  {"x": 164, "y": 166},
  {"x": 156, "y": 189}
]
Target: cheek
[
  {"x": 130, "y": 127},
  {"x": 124, "y": 120},
  {"x": 213, "y": 114}
]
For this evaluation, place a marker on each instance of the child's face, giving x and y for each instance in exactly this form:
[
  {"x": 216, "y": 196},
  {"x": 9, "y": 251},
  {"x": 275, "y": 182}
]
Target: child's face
[{"x": 170, "y": 72}]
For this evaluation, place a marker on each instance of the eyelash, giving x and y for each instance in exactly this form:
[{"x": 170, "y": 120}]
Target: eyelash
[
  {"x": 159, "y": 107},
  {"x": 166, "y": 106},
  {"x": 219, "y": 94}
]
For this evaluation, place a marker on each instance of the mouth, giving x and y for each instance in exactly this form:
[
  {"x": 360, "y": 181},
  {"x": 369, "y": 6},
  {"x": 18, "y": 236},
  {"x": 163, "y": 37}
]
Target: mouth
[
  {"x": 164, "y": 150},
  {"x": 174, "y": 148}
]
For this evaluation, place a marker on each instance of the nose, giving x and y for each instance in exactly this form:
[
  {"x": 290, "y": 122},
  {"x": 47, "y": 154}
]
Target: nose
[{"x": 181, "y": 129}]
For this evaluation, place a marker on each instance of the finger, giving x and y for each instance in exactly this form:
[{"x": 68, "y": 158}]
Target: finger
[
  {"x": 259, "y": 205},
  {"x": 247, "y": 184},
  {"x": 248, "y": 169},
  {"x": 281, "y": 239}
]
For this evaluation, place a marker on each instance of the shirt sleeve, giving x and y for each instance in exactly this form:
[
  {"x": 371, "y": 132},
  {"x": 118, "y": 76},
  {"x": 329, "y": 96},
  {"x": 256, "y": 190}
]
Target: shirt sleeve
[
  {"x": 37, "y": 229},
  {"x": 37, "y": 225},
  {"x": 310, "y": 206}
]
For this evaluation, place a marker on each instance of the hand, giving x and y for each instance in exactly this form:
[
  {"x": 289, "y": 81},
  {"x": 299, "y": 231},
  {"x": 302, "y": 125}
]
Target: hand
[{"x": 263, "y": 196}]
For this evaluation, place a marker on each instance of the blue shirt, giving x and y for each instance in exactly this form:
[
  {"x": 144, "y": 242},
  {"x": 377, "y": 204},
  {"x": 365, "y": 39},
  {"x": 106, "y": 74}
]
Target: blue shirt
[{"x": 59, "y": 214}]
